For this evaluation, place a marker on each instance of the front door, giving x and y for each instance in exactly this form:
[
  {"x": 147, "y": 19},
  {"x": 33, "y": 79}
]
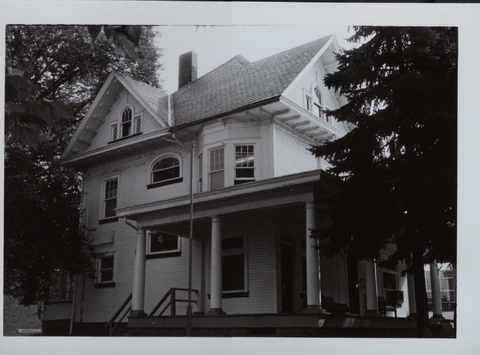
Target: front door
[{"x": 287, "y": 277}]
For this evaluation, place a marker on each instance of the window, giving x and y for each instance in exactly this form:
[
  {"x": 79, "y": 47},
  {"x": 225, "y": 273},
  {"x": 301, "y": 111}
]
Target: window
[
  {"x": 244, "y": 164},
  {"x": 62, "y": 286},
  {"x": 113, "y": 132},
  {"x": 308, "y": 102},
  {"x": 126, "y": 125},
  {"x": 110, "y": 198},
  {"x": 138, "y": 124},
  {"x": 105, "y": 269},
  {"x": 318, "y": 104},
  {"x": 162, "y": 244},
  {"x": 217, "y": 172},
  {"x": 200, "y": 172},
  {"x": 234, "y": 274},
  {"x": 165, "y": 169}
]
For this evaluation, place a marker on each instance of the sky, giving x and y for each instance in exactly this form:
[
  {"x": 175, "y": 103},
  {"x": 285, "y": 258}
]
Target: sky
[{"x": 216, "y": 45}]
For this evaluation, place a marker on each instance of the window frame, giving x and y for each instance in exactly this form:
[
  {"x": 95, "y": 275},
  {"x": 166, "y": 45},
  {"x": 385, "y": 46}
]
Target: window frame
[
  {"x": 136, "y": 125},
  {"x": 162, "y": 254},
  {"x": 239, "y": 180},
  {"x": 98, "y": 270},
  {"x": 103, "y": 208},
  {"x": 63, "y": 286},
  {"x": 174, "y": 180},
  {"x": 232, "y": 252},
  {"x": 210, "y": 172}
]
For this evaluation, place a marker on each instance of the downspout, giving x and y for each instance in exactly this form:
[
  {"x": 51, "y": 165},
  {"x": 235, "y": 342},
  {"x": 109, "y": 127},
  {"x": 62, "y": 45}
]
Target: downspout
[
  {"x": 190, "y": 248},
  {"x": 75, "y": 285}
]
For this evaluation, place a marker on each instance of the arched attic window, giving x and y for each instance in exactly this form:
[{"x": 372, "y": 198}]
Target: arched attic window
[
  {"x": 164, "y": 171},
  {"x": 126, "y": 125},
  {"x": 318, "y": 105}
]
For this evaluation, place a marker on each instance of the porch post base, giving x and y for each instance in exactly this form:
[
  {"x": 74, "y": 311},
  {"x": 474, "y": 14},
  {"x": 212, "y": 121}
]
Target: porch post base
[
  {"x": 215, "y": 312},
  {"x": 137, "y": 313},
  {"x": 438, "y": 317},
  {"x": 412, "y": 316},
  {"x": 314, "y": 309}
]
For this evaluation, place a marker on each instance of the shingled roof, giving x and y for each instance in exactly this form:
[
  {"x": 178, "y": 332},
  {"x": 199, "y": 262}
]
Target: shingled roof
[{"x": 239, "y": 83}]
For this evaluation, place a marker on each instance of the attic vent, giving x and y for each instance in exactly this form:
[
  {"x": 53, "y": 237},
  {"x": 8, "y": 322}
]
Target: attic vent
[{"x": 187, "y": 72}]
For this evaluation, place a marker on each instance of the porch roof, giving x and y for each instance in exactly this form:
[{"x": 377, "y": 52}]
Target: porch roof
[{"x": 267, "y": 193}]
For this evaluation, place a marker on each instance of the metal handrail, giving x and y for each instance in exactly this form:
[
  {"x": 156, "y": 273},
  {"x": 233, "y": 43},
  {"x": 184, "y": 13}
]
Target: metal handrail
[
  {"x": 117, "y": 313},
  {"x": 172, "y": 300}
]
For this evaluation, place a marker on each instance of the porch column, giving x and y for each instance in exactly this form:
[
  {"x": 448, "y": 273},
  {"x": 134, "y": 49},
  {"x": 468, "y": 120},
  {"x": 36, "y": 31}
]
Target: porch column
[
  {"x": 138, "y": 295},
  {"x": 371, "y": 287},
  {"x": 313, "y": 263},
  {"x": 216, "y": 268},
  {"x": 412, "y": 302},
  {"x": 436, "y": 296}
]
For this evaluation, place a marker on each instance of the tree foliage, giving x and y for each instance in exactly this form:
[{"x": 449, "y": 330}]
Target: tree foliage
[
  {"x": 55, "y": 73},
  {"x": 396, "y": 169}
]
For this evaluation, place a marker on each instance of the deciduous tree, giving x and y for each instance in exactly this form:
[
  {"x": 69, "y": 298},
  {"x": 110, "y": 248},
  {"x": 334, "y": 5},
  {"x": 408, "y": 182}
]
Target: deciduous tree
[{"x": 55, "y": 73}]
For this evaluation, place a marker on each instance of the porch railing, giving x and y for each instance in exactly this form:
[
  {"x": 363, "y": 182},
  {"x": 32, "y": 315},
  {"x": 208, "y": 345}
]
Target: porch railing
[
  {"x": 113, "y": 323},
  {"x": 170, "y": 300}
]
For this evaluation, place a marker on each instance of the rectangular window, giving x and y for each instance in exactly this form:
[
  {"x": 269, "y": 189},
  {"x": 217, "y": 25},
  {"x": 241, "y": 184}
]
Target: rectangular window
[
  {"x": 200, "y": 172},
  {"x": 113, "y": 132},
  {"x": 217, "y": 169},
  {"x": 308, "y": 103},
  {"x": 162, "y": 243},
  {"x": 105, "y": 269},
  {"x": 110, "y": 198},
  {"x": 234, "y": 275},
  {"x": 138, "y": 124},
  {"x": 62, "y": 286},
  {"x": 244, "y": 164}
]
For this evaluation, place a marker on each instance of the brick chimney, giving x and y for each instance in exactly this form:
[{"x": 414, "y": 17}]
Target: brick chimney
[{"x": 187, "y": 69}]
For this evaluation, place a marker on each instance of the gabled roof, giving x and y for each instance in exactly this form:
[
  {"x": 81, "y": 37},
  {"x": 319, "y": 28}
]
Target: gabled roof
[
  {"x": 154, "y": 100},
  {"x": 239, "y": 83}
]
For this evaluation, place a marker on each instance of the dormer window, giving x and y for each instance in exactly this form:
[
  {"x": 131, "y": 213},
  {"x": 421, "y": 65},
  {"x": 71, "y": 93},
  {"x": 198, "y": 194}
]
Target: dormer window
[{"x": 166, "y": 170}]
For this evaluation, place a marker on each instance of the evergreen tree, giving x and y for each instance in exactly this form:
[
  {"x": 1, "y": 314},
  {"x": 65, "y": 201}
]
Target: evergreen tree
[
  {"x": 395, "y": 171},
  {"x": 55, "y": 74}
]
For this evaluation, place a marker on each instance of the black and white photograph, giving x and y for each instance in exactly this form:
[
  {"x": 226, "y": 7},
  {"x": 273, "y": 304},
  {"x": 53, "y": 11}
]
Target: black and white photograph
[{"x": 228, "y": 178}]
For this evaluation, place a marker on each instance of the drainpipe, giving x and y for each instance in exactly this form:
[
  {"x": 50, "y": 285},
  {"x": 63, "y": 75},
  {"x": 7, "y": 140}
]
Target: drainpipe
[{"x": 189, "y": 307}]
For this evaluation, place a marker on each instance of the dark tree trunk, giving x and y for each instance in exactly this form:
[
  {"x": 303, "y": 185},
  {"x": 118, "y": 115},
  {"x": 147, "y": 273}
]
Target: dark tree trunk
[{"x": 420, "y": 294}]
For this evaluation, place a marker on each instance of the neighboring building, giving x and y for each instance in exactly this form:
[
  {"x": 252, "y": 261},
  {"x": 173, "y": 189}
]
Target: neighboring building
[{"x": 250, "y": 125}]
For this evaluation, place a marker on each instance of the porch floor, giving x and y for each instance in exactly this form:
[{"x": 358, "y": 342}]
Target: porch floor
[{"x": 278, "y": 325}]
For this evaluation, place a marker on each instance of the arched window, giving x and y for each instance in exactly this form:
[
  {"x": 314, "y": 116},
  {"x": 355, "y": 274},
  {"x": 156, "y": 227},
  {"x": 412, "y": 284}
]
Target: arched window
[
  {"x": 318, "y": 103},
  {"x": 126, "y": 125},
  {"x": 165, "y": 170}
]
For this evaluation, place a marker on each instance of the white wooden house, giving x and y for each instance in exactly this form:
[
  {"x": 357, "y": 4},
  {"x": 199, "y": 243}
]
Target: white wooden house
[{"x": 241, "y": 135}]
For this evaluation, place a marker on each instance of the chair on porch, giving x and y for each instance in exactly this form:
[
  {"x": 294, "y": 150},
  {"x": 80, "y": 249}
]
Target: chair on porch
[{"x": 393, "y": 300}]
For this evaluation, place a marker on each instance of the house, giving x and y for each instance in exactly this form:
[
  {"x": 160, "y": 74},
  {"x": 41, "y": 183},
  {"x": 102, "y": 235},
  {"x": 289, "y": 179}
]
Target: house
[{"x": 226, "y": 156}]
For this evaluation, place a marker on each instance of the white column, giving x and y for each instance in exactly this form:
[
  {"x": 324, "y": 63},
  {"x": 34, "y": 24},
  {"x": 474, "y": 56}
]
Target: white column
[
  {"x": 216, "y": 268},
  {"x": 371, "y": 287},
  {"x": 138, "y": 296},
  {"x": 412, "y": 302},
  {"x": 436, "y": 297},
  {"x": 313, "y": 263}
]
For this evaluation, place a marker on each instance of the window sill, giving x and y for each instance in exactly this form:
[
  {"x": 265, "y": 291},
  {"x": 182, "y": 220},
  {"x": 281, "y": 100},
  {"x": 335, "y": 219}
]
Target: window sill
[
  {"x": 108, "y": 220},
  {"x": 163, "y": 183},
  {"x": 123, "y": 138},
  {"x": 105, "y": 284},
  {"x": 164, "y": 255}
]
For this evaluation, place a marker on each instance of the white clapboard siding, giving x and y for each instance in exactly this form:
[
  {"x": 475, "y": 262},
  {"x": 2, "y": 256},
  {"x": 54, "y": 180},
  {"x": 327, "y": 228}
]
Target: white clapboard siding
[
  {"x": 149, "y": 124},
  {"x": 291, "y": 153}
]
